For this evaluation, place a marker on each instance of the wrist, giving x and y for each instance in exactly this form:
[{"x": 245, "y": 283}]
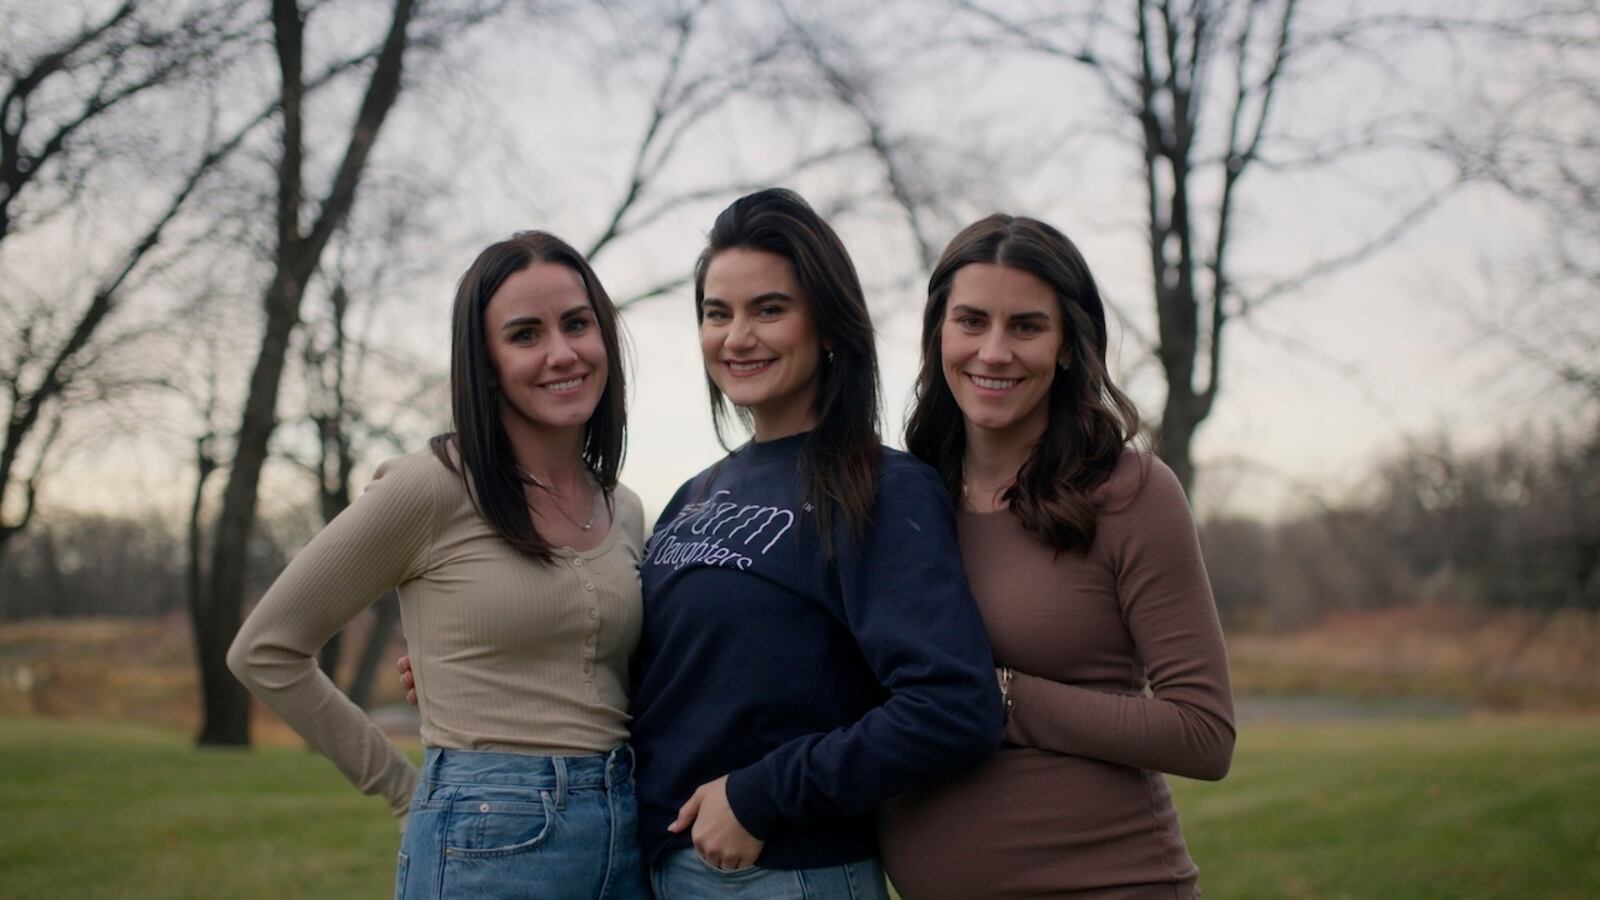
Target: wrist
[{"x": 749, "y": 802}]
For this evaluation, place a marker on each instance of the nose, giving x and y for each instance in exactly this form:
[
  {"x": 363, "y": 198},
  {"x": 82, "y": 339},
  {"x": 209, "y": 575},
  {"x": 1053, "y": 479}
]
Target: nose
[
  {"x": 996, "y": 348},
  {"x": 741, "y": 334},
  {"x": 561, "y": 353}
]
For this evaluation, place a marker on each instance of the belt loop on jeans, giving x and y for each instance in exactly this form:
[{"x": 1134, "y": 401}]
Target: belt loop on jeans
[
  {"x": 619, "y": 763},
  {"x": 560, "y": 765}
]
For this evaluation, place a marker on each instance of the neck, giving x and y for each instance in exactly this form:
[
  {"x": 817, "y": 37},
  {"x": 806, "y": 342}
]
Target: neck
[
  {"x": 552, "y": 455},
  {"x": 771, "y": 424},
  {"x": 993, "y": 456}
]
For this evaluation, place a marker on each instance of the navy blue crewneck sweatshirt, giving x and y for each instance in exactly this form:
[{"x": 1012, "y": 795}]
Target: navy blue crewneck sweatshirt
[{"x": 819, "y": 687}]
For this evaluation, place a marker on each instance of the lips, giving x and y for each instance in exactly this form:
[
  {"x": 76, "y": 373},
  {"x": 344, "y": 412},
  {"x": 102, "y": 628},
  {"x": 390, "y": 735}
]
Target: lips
[
  {"x": 742, "y": 368},
  {"x": 564, "y": 387},
  {"x": 993, "y": 384}
]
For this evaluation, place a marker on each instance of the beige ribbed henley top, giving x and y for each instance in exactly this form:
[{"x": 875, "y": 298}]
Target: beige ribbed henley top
[{"x": 509, "y": 653}]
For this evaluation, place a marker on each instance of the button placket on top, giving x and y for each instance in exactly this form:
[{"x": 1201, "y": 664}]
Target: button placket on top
[{"x": 591, "y": 638}]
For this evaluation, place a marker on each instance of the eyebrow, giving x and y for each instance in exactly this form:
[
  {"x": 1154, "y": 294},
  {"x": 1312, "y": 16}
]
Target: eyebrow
[
  {"x": 963, "y": 309},
  {"x": 520, "y": 321},
  {"x": 759, "y": 298}
]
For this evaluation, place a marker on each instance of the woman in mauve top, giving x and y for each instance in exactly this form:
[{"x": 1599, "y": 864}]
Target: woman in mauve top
[{"x": 1083, "y": 558}]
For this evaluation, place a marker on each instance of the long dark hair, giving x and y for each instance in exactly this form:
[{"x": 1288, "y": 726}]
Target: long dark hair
[
  {"x": 1091, "y": 421},
  {"x": 842, "y": 456},
  {"x": 488, "y": 464}
]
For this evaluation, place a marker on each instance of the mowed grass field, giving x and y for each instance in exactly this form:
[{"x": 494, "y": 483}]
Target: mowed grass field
[{"x": 1460, "y": 808}]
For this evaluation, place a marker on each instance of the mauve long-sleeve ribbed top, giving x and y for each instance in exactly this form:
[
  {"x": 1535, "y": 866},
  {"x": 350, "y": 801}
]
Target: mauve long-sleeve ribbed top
[{"x": 1074, "y": 804}]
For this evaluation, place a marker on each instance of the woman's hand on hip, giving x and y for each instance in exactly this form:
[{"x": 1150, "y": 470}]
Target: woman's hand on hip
[{"x": 718, "y": 837}]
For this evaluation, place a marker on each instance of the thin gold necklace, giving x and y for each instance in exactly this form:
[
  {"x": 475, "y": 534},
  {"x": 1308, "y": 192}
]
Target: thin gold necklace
[{"x": 556, "y": 502}]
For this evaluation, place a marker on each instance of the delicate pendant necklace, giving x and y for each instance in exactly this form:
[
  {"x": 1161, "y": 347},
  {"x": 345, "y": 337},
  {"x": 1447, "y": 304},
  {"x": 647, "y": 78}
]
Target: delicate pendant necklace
[
  {"x": 555, "y": 501},
  {"x": 966, "y": 492}
]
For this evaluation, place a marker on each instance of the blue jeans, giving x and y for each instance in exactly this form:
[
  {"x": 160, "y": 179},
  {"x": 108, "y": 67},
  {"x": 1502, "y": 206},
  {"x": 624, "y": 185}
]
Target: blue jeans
[
  {"x": 683, "y": 875},
  {"x": 509, "y": 825}
]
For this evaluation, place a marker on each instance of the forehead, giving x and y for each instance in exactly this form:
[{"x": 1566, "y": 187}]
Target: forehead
[
  {"x": 541, "y": 289},
  {"x": 740, "y": 273},
  {"x": 1001, "y": 290}
]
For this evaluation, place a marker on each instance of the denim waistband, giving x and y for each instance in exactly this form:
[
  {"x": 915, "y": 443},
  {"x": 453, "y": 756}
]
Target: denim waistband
[{"x": 548, "y": 773}]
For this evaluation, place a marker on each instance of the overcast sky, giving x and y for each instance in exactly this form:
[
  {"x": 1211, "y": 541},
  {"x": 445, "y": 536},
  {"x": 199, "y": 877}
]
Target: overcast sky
[{"x": 1316, "y": 386}]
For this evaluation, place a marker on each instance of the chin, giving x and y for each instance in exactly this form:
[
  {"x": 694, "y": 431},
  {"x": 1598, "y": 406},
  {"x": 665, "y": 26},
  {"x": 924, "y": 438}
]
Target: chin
[
  {"x": 741, "y": 398},
  {"x": 990, "y": 420}
]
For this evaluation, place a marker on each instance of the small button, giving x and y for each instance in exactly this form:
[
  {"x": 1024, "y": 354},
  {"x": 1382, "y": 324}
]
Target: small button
[
  {"x": 589, "y": 640},
  {"x": 483, "y": 807},
  {"x": 577, "y": 563},
  {"x": 594, "y": 613},
  {"x": 588, "y": 667},
  {"x": 588, "y": 585}
]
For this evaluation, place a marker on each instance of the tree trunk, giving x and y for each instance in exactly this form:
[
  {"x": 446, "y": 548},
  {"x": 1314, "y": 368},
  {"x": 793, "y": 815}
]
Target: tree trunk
[
  {"x": 204, "y": 466},
  {"x": 226, "y": 703},
  {"x": 1176, "y": 441}
]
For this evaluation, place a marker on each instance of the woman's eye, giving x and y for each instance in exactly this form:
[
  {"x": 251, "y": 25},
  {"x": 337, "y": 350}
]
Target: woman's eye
[
  {"x": 522, "y": 336},
  {"x": 1029, "y": 327},
  {"x": 577, "y": 326},
  {"x": 970, "y": 322},
  {"x": 770, "y": 310},
  {"x": 715, "y": 315}
]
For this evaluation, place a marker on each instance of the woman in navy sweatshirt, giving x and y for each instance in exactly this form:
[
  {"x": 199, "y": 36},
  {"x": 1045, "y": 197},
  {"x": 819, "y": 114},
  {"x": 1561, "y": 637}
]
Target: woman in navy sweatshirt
[{"x": 810, "y": 645}]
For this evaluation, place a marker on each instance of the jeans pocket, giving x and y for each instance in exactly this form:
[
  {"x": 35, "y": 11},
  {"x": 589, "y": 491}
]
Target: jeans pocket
[
  {"x": 401, "y": 865},
  {"x": 487, "y": 822},
  {"x": 745, "y": 872}
]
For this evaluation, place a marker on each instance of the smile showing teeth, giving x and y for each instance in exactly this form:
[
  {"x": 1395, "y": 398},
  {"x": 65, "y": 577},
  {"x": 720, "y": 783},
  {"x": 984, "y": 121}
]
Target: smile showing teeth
[
  {"x": 993, "y": 384},
  {"x": 560, "y": 386},
  {"x": 747, "y": 368}
]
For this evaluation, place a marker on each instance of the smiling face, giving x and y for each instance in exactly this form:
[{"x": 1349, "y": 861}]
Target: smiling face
[
  {"x": 759, "y": 340},
  {"x": 546, "y": 349},
  {"x": 1000, "y": 343}
]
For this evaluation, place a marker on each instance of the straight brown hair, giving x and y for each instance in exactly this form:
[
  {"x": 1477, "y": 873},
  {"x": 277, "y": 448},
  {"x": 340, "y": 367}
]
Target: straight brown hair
[
  {"x": 488, "y": 464},
  {"x": 843, "y": 455}
]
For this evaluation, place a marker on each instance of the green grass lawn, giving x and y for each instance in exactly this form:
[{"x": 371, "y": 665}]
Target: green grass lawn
[{"x": 1458, "y": 809}]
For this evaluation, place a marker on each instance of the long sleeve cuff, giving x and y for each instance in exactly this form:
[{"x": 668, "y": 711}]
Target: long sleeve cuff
[{"x": 751, "y": 802}]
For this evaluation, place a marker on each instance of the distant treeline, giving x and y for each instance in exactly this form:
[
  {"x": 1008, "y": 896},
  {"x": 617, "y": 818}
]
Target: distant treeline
[
  {"x": 100, "y": 565},
  {"x": 1515, "y": 525}
]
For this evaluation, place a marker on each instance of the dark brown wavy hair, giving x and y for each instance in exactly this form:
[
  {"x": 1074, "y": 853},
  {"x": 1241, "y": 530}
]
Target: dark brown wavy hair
[
  {"x": 1091, "y": 420},
  {"x": 842, "y": 456},
  {"x": 488, "y": 464}
]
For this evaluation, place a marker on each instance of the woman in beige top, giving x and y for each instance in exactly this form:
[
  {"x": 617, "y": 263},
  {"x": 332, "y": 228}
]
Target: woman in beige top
[
  {"x": 515, "y": 552},
  {"x": 1083, "y": 559}
]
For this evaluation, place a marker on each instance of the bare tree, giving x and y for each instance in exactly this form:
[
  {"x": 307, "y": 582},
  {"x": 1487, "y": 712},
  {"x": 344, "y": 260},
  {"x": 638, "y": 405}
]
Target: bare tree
[
  {"x": 58, "y": 103},
  {"x": 712, "y": 62},
  {"x": 357, "y": 395},
  {"x": 1199, "y": 87},
  {"x": 1534, "y": 131},
  {"x": 226, "y": 705},
  {"x": 709, "y": 61}
]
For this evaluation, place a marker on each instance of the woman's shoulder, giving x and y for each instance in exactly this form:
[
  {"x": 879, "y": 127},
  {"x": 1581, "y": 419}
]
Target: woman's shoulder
[
  {"x": 627, "y": 501},
  {"x": 1140, "y": 485},
  {"x": 905, "y": 476},
  {"x": 418, "y": 470}
]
